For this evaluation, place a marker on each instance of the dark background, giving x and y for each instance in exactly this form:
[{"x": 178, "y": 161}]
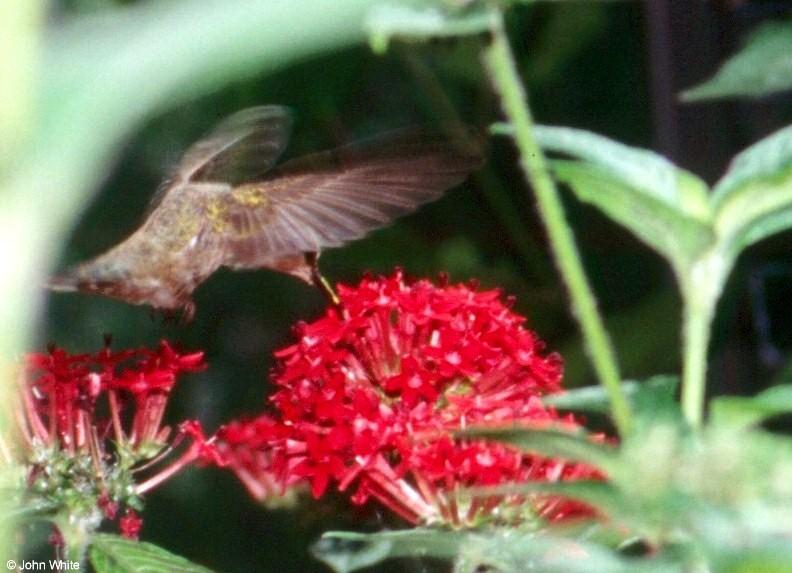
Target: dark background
[{"x": 614, "y": 68}]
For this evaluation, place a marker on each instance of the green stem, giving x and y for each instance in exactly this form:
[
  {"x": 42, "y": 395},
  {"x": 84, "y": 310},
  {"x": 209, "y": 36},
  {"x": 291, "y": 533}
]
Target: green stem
[
  {"x": 77, "y": 531},
  {"x": 499, "y": 61},
  {"x": 696, "y": 336},
  {"x": 701, "y": 286}
]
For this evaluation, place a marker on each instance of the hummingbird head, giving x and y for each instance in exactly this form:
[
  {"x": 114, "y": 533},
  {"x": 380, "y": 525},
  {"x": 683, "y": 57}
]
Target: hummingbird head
[
  {"x": 94, "y": 277},
  {"x": 111, "y": 276},
  {"x": 66, "y": 282}
]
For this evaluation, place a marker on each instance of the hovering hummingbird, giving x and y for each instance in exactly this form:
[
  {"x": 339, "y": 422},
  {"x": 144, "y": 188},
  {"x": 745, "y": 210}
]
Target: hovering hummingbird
[{"x": 226, "y": 204}]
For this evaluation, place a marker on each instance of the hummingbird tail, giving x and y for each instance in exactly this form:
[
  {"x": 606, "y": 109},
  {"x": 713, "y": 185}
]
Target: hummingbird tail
[{"x": 62, "y": 283}]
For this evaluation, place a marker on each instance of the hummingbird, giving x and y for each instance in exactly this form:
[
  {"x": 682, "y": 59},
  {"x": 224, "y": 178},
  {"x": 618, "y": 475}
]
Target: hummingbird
[{"x": 227, "y": 204}]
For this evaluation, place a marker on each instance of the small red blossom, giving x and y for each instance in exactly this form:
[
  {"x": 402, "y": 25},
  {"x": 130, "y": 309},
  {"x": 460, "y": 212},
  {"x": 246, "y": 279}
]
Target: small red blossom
[
  {"x": 108, "y": 506},
  {"x": 55, "y": 539},
  {"x": 130, "y": 525},
  {"x": 372, "y": 396}
]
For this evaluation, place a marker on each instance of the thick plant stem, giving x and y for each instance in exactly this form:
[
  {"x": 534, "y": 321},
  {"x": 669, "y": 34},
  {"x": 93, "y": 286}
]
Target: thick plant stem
[
  {"x": 499, "y": 60},
  {"x": 77, "y": 532},
  {"x": 696, "y": 335},
  {"x": 701, "y": 286}
]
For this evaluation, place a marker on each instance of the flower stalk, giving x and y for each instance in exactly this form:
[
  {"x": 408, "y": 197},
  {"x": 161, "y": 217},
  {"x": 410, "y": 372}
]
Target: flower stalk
[{"x": 499, "y": 61}]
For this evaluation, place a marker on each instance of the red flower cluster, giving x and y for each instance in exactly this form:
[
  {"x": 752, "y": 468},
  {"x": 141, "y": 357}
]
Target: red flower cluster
[
  {"x": 374, "y": 393},
  {"x": 86, "y": 420}
]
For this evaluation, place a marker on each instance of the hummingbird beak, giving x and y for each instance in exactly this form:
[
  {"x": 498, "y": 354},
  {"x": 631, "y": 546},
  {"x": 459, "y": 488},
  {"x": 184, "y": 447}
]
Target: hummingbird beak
[{"x": 62, "y": 283}]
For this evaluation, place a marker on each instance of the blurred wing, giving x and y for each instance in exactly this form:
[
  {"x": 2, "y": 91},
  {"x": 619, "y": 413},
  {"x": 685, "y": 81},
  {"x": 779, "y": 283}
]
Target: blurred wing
[
  {"x": 329, "y": 198},
  {"x": 240, "y": 149}
]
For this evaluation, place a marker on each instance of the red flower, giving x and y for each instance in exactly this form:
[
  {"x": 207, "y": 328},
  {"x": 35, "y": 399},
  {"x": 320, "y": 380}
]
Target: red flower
[
  {"x": 373, "y": 393},
  {"x": 60, "y": 393},
  {"x": 108, "y": 506},
  {"x": 90, "y": 423},
  {"x": 244, "y": 448},
  {"x": 130, "y": 525}
]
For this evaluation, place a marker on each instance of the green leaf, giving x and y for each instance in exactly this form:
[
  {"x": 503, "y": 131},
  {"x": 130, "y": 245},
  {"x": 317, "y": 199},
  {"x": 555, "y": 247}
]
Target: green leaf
[
  {"x": 516, "y": 551},
  {"x": 762, "y": 67},
  {"x": 388, "y": 21},
  {"x": 655, "y": 400},
  {"x": 666, "y": 207},
  {"x": 753, "y": 200},
  {"x": 595, "y": 399},
  {"x": 503, "y": 550},
  {"x": 114, "y": 554},
  {"x": 648, "y": 174},
  {"x": 771, "y": 557},
  {"x": 599, "y": 494},
  {"x": 587, "y": 399},
  {"x": 673, "y": 234},
  {"x": 347, "y": 551},
  {"x": 573, "y": 445},
  {"x": 741, "y": 411}
]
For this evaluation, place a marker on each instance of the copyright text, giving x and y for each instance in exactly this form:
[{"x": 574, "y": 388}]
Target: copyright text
[{"x": 50, "y": 565}]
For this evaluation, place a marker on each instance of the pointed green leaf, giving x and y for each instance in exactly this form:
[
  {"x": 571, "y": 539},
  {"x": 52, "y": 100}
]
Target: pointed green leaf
[
  {"x": 345, "y": 552},
  {"x": 644, "y": 171},
  {"x": 599, "y": 494},
  {"x": 670, "y": 232},
  {"x": 666, "y": 207},
  {"x": 586, "y": 399},
  {"x": 114, "y": 554},
  {"x": 648, "y": 174},
  {"x": 595, "y": 398},
  {"x": 504, "y": 550},
  {"x": 520, "y": 552},
  {"x": 763, "y": 66},
  {"x": 742, "y": 411},
  {"x": 753, "y": 200},
  {"x": 655, "y": 399},
  {"x": 572, "y": 445}
]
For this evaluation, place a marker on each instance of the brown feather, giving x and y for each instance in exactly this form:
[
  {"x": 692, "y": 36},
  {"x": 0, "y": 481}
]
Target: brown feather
[{"x": 327, "y": 199}]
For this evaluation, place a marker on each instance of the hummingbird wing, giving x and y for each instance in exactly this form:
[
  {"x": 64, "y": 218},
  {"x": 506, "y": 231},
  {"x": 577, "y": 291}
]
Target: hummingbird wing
[
  {"x": 327, "y": 199},
  {"x": 240, "y": 149}
]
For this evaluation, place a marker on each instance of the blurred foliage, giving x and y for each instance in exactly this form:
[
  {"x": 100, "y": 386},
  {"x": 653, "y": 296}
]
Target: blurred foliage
[
  {"x": 700, "y": 233},
  {"x": 113, "y": 554},
  {"x": 713, "y": 500},
  {"x": 761, "y": 68}
]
